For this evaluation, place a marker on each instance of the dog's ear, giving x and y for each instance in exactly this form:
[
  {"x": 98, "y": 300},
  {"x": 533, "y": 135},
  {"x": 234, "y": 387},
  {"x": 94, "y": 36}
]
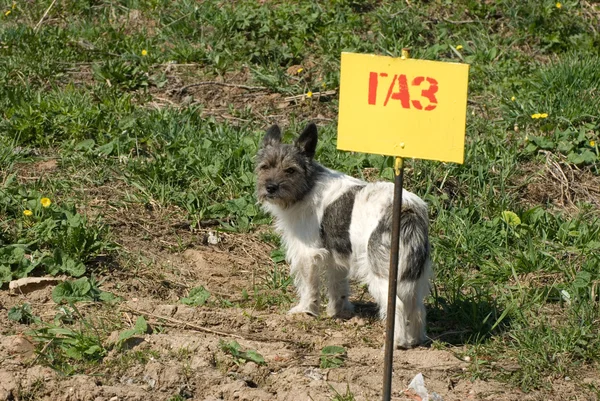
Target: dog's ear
[
  {"x": 307, "y": 141},
  {"x": 272, "y": 137}
]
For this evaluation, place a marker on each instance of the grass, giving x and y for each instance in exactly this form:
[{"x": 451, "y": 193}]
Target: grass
[{"x": 87, "y": 89}]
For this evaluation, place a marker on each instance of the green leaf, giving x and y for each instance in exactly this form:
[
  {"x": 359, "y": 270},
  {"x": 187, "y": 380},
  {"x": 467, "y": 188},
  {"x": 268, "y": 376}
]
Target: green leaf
[
  {"x": 74, "y": 353},
  {"x": 197, "y": 297},
  {"x": 72, "y": 291},
  {"x": 15, "y": 314},
  {"x": 253, "y": 356},
  {"x": 332, "y": 356},
  {"x": 511, "y": 218},
  {"x": 86, "y": 144},
  {"x": 582, "y": 279},
  {"x": 126, "y": 334},
  {"x": 5, "y": 274},
  {"x": 141, "y": 326},
  {"x": 278, "y": 255},
  {"x": 587, "y": 156},
  {"x": 73, "y": 268}
]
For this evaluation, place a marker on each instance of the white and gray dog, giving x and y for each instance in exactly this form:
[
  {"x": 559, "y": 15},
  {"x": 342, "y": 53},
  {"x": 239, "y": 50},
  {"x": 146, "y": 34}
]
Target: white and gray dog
[{"x": 339, "y": 225}]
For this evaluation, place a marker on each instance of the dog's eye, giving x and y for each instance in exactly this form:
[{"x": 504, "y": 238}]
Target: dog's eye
[
  {"x": 264, "y": 167},
  {"x": 290, "y": 170}
]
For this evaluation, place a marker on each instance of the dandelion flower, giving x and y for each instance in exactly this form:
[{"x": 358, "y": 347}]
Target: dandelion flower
[
  {"x": 459, "y": 47},
  {"x": 536, "y": 115},
  {"x": 27, "y": 212},
  {"x": 144, "y": 52},
  {"x": 592, "y": 143},
  {"x": 45, "y": 202},
  {"x": 300, "y": 70},
  {"x": 512, "y": 99},
  {"x": 309, "y": 94},
  {"x": 6, "y": 13},
  {"x": 558, "y": 5},
  {"x": 544, "y": 115}
]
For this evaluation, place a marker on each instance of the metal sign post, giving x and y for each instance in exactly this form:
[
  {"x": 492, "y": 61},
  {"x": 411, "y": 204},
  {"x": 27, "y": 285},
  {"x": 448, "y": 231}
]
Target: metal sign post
[
  {"x": 428, "y": 100},
  {"x": 393, "y": 280}
]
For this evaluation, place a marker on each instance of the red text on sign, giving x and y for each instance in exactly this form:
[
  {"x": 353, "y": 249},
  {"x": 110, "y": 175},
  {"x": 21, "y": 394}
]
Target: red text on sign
[{"x": 428, "y": 86}]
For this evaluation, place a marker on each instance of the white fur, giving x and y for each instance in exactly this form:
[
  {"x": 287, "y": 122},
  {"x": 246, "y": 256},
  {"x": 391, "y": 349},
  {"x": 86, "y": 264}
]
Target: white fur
[{"x": 299, "y": 226}]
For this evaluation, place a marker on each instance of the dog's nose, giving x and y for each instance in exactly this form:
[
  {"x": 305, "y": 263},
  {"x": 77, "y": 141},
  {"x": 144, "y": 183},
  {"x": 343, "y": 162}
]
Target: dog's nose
[{"x": 272, "y": 188}]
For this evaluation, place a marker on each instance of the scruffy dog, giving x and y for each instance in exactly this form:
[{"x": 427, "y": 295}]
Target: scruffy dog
[{"x": 339, "y": 225}]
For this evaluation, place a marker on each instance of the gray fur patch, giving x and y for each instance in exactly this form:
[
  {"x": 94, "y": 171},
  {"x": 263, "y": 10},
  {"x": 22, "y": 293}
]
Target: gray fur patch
[
  {"x": 414, "y": 242},
  {"x": 285, "y": 174},
  {"x": 335, "y": 225}
]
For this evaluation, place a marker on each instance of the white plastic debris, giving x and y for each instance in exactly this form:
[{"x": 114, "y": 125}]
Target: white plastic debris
[
  {"x": 212, "y": 238},
  {"x": 314, "y": 374},
  {"x": 417, "y": 385}
]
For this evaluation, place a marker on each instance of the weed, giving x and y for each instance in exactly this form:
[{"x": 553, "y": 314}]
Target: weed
[
  {"x": 235, "y": 350},
  {"x": 83, "y": 289},
  {"x": 197, "y": 297},
  {"x": 69, "y": 349},
  {"x": 140, "y": 328},
  {"x": 332, "y": 356},
  {"x": 22, "y": 314},
  {"x": 347, "y": 396}
]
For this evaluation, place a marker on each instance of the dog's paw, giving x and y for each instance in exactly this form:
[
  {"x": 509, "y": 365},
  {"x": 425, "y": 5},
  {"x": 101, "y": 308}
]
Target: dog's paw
[
  {"x": 302, "y": 309},
  {"x": 345, "y": 311}
]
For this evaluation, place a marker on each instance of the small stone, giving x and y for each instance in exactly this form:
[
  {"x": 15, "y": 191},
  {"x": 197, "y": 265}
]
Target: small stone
[
  {"x": 19, "y": 347},
  {"x": 249, "y": 368}
]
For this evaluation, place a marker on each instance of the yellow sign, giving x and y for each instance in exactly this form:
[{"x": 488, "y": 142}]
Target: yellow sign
[{"x": 403, "y": 107}]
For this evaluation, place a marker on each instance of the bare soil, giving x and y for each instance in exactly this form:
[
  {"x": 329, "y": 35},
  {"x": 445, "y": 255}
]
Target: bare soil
[{"x": 182, "y": 355}]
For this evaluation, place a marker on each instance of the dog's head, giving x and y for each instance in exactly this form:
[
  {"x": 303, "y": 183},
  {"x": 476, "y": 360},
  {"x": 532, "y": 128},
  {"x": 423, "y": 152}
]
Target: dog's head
[{"x": 286, "y": 172}]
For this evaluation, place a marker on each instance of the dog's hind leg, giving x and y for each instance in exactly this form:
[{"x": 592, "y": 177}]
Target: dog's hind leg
[
  {"x": 338, "y": 291},
  {"x": 306, "y": 279},
  {"x": 410, "y": 311},
  {"x": 410, "y": 316}
]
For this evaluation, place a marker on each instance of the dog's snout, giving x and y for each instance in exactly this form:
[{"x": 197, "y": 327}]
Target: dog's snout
[{"x": 272, "y": 188}]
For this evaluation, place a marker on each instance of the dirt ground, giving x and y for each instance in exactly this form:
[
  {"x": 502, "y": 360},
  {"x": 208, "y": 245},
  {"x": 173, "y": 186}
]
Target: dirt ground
[{"x": 182, "y": 355}]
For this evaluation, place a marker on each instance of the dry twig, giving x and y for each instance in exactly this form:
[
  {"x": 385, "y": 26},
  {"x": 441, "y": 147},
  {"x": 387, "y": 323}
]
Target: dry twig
[
  {"x": 44, "y": 16},
  {"x": 178, "y": 323},
  {"x": 250, "y": 88}
]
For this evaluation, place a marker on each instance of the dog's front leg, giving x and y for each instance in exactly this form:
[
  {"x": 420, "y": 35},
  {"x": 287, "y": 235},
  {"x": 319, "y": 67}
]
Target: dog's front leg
[
  {"x": 306, "y": 279},
  {"x": 338, "y": 290}
]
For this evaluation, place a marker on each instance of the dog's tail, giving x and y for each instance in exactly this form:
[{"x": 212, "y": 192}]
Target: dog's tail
[{"x": 414, "y": 258}]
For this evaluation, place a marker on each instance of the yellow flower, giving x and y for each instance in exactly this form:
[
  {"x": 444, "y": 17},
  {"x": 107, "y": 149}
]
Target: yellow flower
[
  {"x": 536, "y": 115},
  {"x": 558, "y": 5},
  {"x": 544, "y": 115},
  {"x": 45, "y": 202},
  {"x": 7, "y": 13},
  {"x": 14, "y": 5},
  {"x": 300, "y": 70},
  {"x": 459, "y": 47},
  {"x": 144, "y": 52},
  {"x": 309, "y": 94},
  {"x": 27, "y": 212},
  {"x": 512, "y": 99},
  {"x": 592, "y": 143}
]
